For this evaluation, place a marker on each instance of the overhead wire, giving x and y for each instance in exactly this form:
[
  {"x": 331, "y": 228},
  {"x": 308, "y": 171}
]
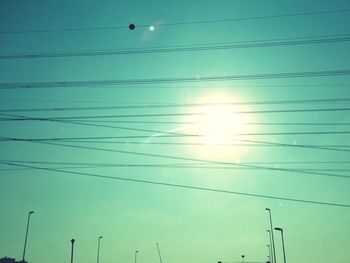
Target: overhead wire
[
  {"x": 182, "y": 158},
  {"x": 4, "y": 139},
  {"x": 193, "y": 79},
  {"x": 247, "y": 123},
  {"x": 180, "y": 105},
  {"x": 192, "y": 187},
  {"x": 210, "y": 21},
  {"x": 331, "y": 147},
  {"x": 80, "y": 118},
  {"x": 156, "y": 50},
  {"x": 181, "y": 134},
  {"x": 179, "y": 164},
  {"x": 177, "y": 134},
  {"x": 79, "y": 165}
]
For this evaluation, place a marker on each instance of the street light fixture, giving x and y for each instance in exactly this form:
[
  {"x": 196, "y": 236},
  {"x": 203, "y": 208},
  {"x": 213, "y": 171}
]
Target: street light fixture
[
  {"x": 160, "y": 257},
  {"x": 98, "y": 248},
  {"x": 273, "y": 239},
  {"x": 284, "y": 251},
  {"x": 25, "y": 239},
  {"x": 270, "y": 238},
  {"x": 72, "y": 250},
  {"x": 136, "y": 255},
  {"x": 269, "y": 249}
]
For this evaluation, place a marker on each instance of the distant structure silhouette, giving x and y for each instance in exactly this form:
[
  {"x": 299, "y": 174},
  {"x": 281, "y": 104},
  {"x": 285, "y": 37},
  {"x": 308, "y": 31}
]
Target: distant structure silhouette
[{"x": 11, "y": 260}]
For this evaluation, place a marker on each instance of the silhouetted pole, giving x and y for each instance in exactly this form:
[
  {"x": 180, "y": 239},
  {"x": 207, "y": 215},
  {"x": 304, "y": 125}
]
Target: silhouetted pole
[
  {"x": 98, "y": 248},
  {"x": 160, "y": 257},
  {"x": 271, "y": 258},
  {"x": 273, "y": 239},
  {"x": 136, "y": 255},
  {"x": 284, "y": 252},
  {"x": 25, "y": 239},
  {"x": 72, "y": 250}
]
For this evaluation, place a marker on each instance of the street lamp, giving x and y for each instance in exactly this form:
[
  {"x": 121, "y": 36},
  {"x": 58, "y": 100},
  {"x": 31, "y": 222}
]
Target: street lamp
[
  {"x": 98, "y": 248},
  {"x": 273, "y": 239},
  {"x": 25, "y": 239},
  {"x": 71, "y": 253},
  {"x": 160, "y": 257},
  {"x": 269, "y": 249},
  {"x": 136, "y": 255},
  {"x": 270, "y": 238},
  {"x": 284, "y": 251}
]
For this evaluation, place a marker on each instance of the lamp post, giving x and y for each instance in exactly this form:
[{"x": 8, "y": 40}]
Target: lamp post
[
  {"x": 72, "y": 250},
  {"x": 284, "y": 251},
  {"x": 160, "y": 257},
  {"x": 25, "y": 239},
  {"x": 98, "y": 248},
  {"x": 269, "y": 249},
  {"x": 273, "y": 239},
  {"x": 270, "y": 246},
  {"x": 136, "y": 255}
]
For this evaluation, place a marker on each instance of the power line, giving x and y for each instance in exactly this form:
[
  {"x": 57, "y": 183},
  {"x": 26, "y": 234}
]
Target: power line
[
  {"x": 4, "y": 139},
  {"x": 178, "y": 164},
  {"x": 196, "y": 48},
  {"x": 316, "y": 147},
  {"x": 121, "y": 82},
  {"x": 217, "y": 85},
  {"x": 162, "y": 156},
  {"x": 170, "y": 167},
  {"x": 170, "y": 133},
  {"x": 338, "y": 148},
  {"x": 175, "y": 134},
  {"x": 80, "y": 165},
  {"x": 179, "y": 105},
  {"x": 247, "y": 123},
  {"x": 235, "y": 19},
  {"x": 183, "y": 186},
  {"x": 332, "y": 147},
  {"x": 80, "y": 118},
  {"x": 105, "y": 126}
]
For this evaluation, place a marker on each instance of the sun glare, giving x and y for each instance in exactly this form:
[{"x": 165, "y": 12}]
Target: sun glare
[{"x": 216, "y": 125}]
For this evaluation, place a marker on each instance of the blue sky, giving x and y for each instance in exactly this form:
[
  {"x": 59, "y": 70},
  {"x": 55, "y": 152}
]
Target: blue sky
[{"x": 189, "y": 225}]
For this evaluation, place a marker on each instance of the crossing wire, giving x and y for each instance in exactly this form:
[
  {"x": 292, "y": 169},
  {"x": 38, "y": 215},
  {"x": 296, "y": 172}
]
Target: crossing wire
[
  {"x": 180, "y": 105},
  {"x": 192, "y": 187},
  {"x": 155, "y": 50},
  {"x": 247, "y": 123},
  {"x": 12, "y": 117},
  {"x": 234, "y": 19},
  {"x": 332, "y": 147},
  {"x": 182, "y": 158},
  {"x": 193, "y": 79},
  {"x": 79, "y": 165},
  {"x": 177, "y": 134}
]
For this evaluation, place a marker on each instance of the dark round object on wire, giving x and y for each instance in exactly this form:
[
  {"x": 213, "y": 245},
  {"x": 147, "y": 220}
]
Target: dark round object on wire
[{"x": 132, "y": 26}]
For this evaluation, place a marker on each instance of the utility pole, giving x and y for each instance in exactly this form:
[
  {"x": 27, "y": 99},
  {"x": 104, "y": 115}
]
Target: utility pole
[
  {"x": 72, "y": 250},
  {"x": 98, "y": 248},
  {"x": 273, "y": 239},
  {"x": 26, "y": 236},
  {"x": 160, "y": 257}
]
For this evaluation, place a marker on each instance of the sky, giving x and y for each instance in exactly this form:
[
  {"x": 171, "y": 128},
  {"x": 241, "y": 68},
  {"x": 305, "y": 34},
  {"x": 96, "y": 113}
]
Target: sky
[{"x": 180, "y": 134}]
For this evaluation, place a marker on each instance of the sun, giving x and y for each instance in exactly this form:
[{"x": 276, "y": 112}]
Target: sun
[{"x": 216, "y": 124}]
